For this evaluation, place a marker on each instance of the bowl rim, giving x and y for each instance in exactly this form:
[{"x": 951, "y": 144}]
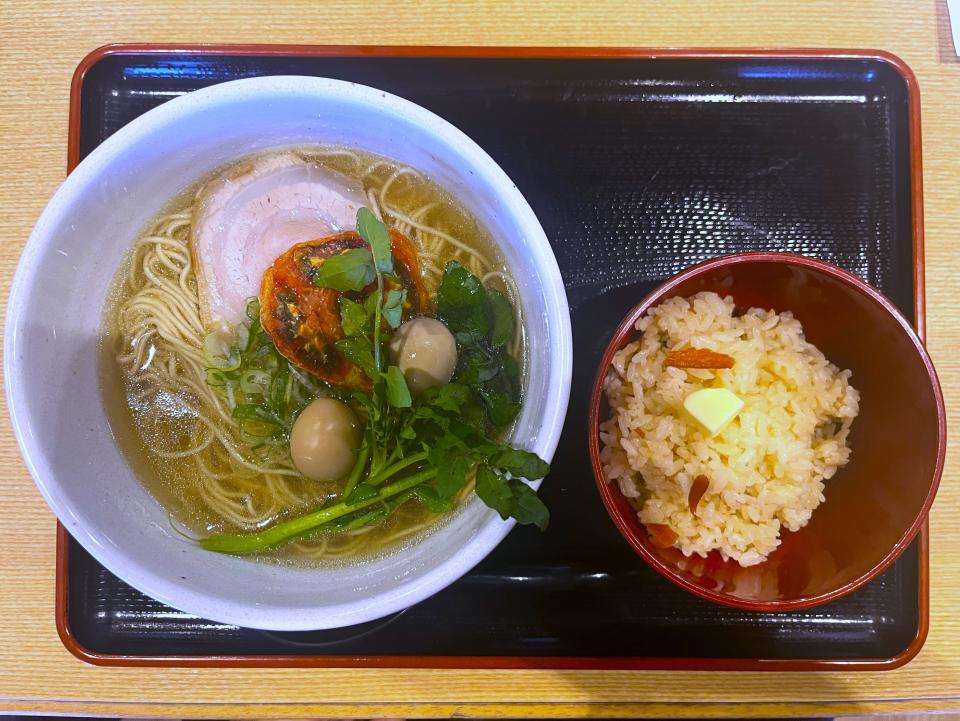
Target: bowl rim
[
  {"x": 609, "y": 492},
  {"x": 164, "y": 587}
]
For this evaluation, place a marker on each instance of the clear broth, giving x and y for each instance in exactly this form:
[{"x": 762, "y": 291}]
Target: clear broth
[{"x": 144, "y": 418}]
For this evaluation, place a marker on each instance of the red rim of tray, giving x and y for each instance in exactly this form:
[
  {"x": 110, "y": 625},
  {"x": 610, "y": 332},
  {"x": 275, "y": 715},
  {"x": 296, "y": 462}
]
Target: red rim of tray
[{"x": 516, "y": 662}]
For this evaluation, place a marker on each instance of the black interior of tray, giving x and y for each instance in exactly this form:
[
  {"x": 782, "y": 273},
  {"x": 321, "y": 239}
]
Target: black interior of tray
[{"x": 636, "y": 169}]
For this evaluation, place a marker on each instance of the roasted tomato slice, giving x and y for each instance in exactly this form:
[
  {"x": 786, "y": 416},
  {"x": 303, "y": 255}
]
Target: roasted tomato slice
[{"x": 304, "y": 321}]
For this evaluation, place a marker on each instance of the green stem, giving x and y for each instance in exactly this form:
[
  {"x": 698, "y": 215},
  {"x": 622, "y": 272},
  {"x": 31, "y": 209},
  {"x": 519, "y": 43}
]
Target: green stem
[
  {"x": 289, "y": 530},
  {"x": 358, "y": 468},
  {"x": 363, "y": 520},
  {"x": 375, "y": 480},
  {"x": 377, "y": 320}
]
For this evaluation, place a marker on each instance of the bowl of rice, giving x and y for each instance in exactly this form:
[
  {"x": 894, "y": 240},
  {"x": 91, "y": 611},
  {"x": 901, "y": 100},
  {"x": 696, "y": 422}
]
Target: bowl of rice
[{"x": 767, "y": 431}]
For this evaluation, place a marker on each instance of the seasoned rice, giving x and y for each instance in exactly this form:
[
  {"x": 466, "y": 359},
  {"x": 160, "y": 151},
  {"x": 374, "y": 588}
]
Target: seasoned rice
[{"x": 767, "y": 467}]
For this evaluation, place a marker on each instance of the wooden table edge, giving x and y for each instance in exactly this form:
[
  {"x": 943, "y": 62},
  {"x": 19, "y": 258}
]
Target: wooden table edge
[{"x": 599, "y": 709}]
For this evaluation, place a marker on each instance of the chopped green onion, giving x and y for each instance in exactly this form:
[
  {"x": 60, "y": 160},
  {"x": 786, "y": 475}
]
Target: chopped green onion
[
  {"x": 219, "y": 350},
  {"x": 254, "y": 382}
]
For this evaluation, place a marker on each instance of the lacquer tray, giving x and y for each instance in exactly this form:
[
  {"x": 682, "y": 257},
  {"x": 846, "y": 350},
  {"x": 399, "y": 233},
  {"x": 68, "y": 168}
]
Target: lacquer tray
[{"x": 638, "y": 164}]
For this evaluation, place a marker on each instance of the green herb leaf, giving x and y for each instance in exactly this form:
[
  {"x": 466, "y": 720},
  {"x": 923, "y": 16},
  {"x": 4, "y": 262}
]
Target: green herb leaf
[
  {"x": 520, "y": 464},
  {"x": 354, "y": 317},
  {"x": 452, "y": 469},
  {"x": 254, "y": 336},
  {"x": 393, "y": 307},
  {"x": 462, "y": 301},
  {"x": 431, "y": 500},
  {"x": 477, "y": 366},
  {"x": 363, "y": 399},
  {"x": 398, "y": 395},
  {"x": 511, "y": 498},
  {"x": 500, "y": 407},
  {"x": 527, "y": 506},
  {"x": 377, "y": 235},
  {"x": 426, "y": 425},
  {"x": 469, "y": 435},
  {"x": 351, "y": 270},
  {"x": 450, "y": 397},
  {"x": 359, "y": 351},
  {"x": 494, "y": 490},
  {"x": 361, "y": 492},
  {"x": 503, "y": 321},
  {"x": 511, "y": 375}
]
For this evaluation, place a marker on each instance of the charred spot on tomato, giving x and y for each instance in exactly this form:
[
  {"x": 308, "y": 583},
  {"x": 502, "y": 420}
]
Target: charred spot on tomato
[
  {"x": 320, "y": 356},
  {"x": 287, "y": 313},
  {"x": 309, "y": 264}
]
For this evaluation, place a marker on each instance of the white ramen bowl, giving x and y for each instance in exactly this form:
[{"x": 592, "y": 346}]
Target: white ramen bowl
[{"x": 54, "y": 322}]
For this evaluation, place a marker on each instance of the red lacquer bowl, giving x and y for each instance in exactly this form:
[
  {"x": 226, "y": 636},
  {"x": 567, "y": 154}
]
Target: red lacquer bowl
[{"x": 876, "y": 504}]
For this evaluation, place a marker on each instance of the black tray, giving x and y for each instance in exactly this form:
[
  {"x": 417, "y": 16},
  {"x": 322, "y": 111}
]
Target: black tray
[{"x": 637, "y": 167}]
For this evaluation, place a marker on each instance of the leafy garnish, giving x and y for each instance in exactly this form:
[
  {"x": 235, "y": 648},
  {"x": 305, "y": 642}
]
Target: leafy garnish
[
  {"x": 354, "y": 317},
  {"x": 494, "y": 490},
  {"x": 482, "y": 322},
  {"x": 361, "y": 492},
  {"x": 254, "y": 381},
  {"x": 423, "y": 449},
  {"x": 350, "y": 270},
  {"x": 376, "y": 234},
  {"x": 431, "y": 500},
  {"x": 359, "y": 351},
  {"x": 254, "y": 412},
  {"x": 509, "y": 497},
  {"x": 501, "y": 407},
  {"x": 462, "y": 301},
  {"x": 398, "y": 395},
  {"x": 519, "y": 463},
  {"x": 452, "y": 469},
  {"x": 393, "y": 307},
  {"x": 527, "y": 506},
  {"x": 502, "y": 320},
  {"x": 450, "y": 397}
]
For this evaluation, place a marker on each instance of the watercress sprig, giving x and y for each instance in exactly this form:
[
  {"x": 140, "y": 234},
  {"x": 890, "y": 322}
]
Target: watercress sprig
[
  {"x": 424, "y": 449},
  {"x": 363, "y": 344},
  {"x": 482, "y": 321}
]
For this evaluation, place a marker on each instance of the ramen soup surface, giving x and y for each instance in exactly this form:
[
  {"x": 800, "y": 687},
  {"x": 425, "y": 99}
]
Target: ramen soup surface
[{"x": 175, "y": 417}]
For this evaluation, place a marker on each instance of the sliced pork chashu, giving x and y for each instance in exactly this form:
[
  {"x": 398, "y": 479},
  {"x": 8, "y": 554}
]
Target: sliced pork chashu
[{"x": 251, "y": 214}]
